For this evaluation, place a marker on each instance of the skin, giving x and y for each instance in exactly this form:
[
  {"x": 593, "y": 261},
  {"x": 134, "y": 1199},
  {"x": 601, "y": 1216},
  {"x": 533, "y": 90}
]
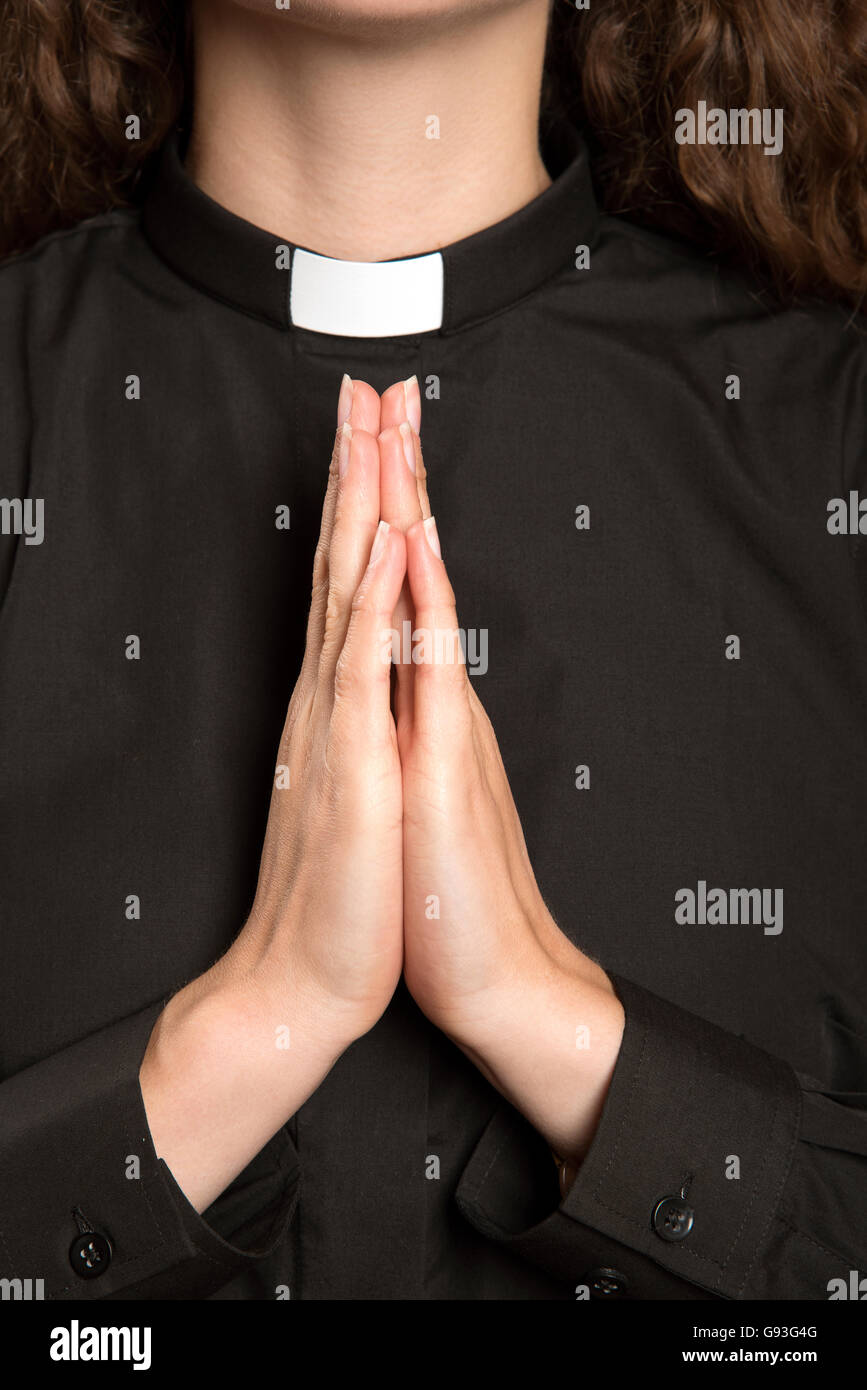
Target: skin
[
  {"x": 317, "y": 129},
  {"x": 322, "y": 950},
  {"x": 383, "y": 809},
  {"x": 311, "y": 123},
  {"x": 493, "y": 971}
]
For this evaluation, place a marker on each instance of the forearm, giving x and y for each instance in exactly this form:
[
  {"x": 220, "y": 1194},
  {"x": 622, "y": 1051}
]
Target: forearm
[
  {"x": 551, "y": 1051},
  {"x": 229, "y": 1061}
]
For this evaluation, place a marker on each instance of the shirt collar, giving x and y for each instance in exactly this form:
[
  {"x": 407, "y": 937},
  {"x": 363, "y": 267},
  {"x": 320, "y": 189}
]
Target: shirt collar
[{"x": 443, "y": 291}]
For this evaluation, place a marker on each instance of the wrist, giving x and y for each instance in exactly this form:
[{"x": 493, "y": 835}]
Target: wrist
[
  {"x": 550, "y": 1047},
  {"x": 223, "y": 1071},
  {"x": 550, "y": 970},
  {"x": 277, "y": 1001}
]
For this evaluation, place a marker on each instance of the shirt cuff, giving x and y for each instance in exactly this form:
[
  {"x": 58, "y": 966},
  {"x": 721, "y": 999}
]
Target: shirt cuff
[
  {"x": 88, "y": 1207},
  {"x": 677, "y": 1194}
]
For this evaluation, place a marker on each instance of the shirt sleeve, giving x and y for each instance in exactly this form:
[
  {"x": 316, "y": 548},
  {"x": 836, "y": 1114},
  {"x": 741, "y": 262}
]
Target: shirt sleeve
[
  {"x": 87, "y": 1206},
  {"x": 716, "y": 1172}
]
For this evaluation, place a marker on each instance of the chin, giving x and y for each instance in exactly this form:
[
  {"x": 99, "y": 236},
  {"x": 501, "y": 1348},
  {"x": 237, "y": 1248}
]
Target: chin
[{"x": 356, "y": 16}]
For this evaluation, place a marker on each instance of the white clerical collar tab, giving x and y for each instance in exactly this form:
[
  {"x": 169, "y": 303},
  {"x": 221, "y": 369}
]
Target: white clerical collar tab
[{"x": 366, "y": 299}]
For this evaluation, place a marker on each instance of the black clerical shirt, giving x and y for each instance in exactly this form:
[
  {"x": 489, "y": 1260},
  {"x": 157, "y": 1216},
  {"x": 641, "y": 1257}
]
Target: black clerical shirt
[{"x": 648, "y": 483}]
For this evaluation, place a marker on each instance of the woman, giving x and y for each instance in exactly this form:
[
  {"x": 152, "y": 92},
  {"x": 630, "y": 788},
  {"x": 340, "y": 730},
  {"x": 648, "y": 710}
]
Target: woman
[{"x": 338, "y": 1067}]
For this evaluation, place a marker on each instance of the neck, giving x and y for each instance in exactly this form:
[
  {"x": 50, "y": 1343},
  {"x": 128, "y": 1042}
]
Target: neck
[{"x": 324, "y": 135}]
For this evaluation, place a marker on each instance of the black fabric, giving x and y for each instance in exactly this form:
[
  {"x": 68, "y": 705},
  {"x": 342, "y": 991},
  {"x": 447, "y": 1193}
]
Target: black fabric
[
  {"x": 549, "y": 387},
  {"x": 483, "y": 273},
  {"x": 72, "y": 1128}
]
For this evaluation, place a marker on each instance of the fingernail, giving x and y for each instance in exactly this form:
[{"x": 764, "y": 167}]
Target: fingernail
[
  {"x": 408, "y": 447},
  {"x": 343, "y": 451},
  {"x": 344, "y": 400},
  {"x": 412, "y": 398},
  {"x": 379, "y": 540},
  {"x": 433, "y": 540}
]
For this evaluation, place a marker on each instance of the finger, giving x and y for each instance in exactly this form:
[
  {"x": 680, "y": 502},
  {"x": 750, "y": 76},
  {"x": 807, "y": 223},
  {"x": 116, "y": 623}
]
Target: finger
[
  {"x": 401, "y": 507},
  {"x": 401, "y": 404},
  {"x": 401, "y": 504},
  {"x": 362, "y": 679},
  {"x": 441, "y": 695},
  {"x": 358, "y": 404},
  {"x": 402, "y": 401},
  {"x": 356, "y": 519},
  {"x": 364, "y": 407}
]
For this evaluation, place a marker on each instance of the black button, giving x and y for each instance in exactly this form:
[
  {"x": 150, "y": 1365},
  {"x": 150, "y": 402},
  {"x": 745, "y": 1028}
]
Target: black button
[
  {"x": 90, "y": 1255},
  {"x": 606, "y": 1283},
  {"x": 673, "y": 1218}
]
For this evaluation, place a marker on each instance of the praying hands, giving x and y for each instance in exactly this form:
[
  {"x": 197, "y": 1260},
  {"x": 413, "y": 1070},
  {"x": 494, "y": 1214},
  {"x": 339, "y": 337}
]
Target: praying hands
[{"x": 393, "y": 846}]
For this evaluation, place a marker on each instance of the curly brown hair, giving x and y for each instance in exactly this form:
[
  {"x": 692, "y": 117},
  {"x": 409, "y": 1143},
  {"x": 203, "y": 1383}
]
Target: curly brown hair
[{"x": 71, "y": 71}]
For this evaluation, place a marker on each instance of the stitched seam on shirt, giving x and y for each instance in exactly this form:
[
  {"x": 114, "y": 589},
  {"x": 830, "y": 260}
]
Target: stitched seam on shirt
[
  {"x": 705, "y": 1259},
  {"x": 753, "y": 1196},
  {"x": 496, "y": 313},
  {"x": 258, "y": 315},
  {"x": 483, "y": 1179},
  {"x": 130, "y": 1260},
  {"x": 826, "y": 1249},
  {"x": 779, "y": 1189},
  {"x": 130, "y": 218},
  {"x": 130, "y": 1149},
  {"x": 118, "y": 1265},
  {"x": 691, "y": 1254},
  {"x": 626, "y": 1216},
  {"x": 611, "y": 1157},
  {"x": 224, "y": 1266}
]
